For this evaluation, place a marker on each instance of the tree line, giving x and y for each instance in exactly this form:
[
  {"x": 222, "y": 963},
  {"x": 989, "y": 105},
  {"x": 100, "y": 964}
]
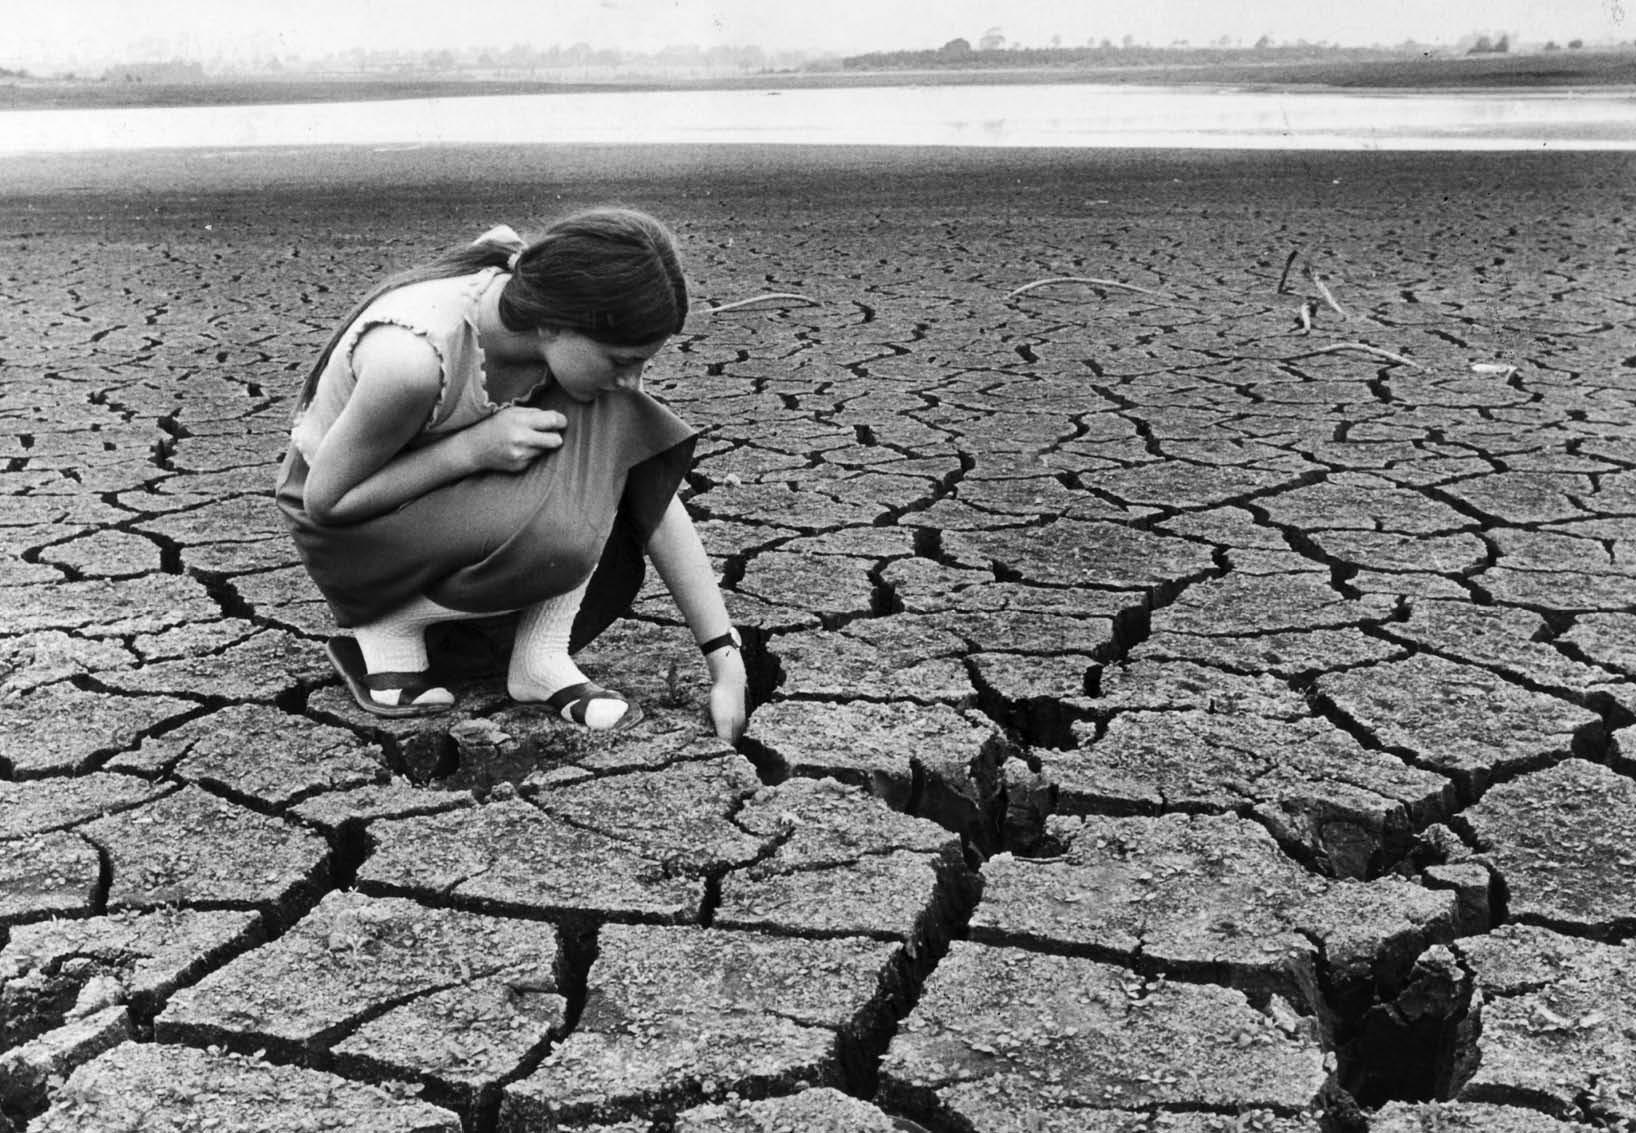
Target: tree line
[{"x": 960, "y": 53}]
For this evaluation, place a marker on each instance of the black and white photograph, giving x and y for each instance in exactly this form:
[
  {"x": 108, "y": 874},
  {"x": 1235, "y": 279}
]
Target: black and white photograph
[{"x": 873, "y": 566}]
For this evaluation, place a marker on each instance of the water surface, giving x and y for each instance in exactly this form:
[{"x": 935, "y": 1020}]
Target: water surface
[{"x": 1074, "y": 115}]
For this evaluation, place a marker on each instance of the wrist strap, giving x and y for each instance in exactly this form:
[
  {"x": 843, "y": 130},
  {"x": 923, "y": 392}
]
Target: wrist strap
[{"x": 715, "y": 643}]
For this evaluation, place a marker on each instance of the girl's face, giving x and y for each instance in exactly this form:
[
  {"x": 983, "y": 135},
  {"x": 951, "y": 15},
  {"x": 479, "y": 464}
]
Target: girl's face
[{"x": 586, "y": 369}]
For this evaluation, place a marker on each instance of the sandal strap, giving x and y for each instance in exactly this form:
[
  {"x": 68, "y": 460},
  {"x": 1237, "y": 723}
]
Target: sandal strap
[
  {"x": 411, "y": 684},
  {"x": 570, "y": 701}
]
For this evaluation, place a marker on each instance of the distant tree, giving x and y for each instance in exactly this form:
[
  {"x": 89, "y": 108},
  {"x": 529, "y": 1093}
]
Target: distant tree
[
  {"x": 955, "y": 49},
  {"x": 1488, "y": 46},
  {"x": 1551, "y": 45},
  {"x": 1575, "y": 44},
  {"x": 1056, "y": 41},
  {"x": 1263, "y": 43},
  {"x": 992, "y": 40},
  {"x": 1128, "y": 41}
]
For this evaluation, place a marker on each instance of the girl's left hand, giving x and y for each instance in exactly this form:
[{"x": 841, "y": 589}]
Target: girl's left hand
[{"x": 729, "y": 701}]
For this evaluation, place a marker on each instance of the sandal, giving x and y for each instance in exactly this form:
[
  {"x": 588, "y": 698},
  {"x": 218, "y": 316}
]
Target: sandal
[
  {"x": 348, "y": 660},
  {"x": 572, "y": 701}
]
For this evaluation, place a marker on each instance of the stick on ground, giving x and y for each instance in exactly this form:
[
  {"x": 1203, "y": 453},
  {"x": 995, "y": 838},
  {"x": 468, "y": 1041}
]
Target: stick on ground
[
  {"x": 1283, "y": 280},
  {"x": 1367, "y": 349},
  {"x": 1082, "y": 279},
  {"x": 776, "y": 296},
  {"x": 1303, "y": 315},
  {"x": 1324, "y": 291}
]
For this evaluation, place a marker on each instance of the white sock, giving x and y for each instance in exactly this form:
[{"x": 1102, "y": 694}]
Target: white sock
[
  {"x": 540, "y": 665},
  {"x": 397, "y": 644}
]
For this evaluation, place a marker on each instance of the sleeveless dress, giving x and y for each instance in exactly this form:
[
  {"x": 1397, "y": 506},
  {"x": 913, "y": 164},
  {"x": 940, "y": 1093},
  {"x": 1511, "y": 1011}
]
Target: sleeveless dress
[{"x": 494, "y": 541}]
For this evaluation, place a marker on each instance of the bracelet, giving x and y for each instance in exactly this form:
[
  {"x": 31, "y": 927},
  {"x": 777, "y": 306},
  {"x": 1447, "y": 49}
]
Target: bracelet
[{"x": 715, "y": 643}]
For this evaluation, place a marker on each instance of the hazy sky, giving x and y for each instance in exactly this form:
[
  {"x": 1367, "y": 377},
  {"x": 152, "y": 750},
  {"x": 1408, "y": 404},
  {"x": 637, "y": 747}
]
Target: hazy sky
[{"x": 45, "y": 33}]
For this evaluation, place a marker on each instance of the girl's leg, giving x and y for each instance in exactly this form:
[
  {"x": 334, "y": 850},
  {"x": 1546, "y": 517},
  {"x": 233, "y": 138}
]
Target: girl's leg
[
  {"x": 396, "y": 643},
  {"x": 542, "y": 672}
]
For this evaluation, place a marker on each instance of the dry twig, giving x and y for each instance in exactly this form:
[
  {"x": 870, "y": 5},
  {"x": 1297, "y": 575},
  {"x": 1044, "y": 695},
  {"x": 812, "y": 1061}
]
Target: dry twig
[
  {"x": 1324, "y": 291},
  {"x": 1304, "y": 313},
  {"x": 1367, "y": 349},
  {"x": 1082, "y": 279},
  {"x": 1283, "y": 280},
  {"x": 776, "y": 296}
]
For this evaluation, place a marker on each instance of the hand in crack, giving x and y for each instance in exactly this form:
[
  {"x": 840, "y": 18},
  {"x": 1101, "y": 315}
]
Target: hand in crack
[{"x": 729, "y": 709}]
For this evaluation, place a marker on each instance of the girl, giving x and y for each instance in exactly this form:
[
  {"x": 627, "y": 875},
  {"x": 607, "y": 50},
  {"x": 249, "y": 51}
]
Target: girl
[{"x": 475, "y": 440}]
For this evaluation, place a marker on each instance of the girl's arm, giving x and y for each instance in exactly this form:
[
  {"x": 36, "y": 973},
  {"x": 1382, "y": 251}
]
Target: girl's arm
[
  {"x": 681, "y": 561},
  {"x": 363, "y": 467}
]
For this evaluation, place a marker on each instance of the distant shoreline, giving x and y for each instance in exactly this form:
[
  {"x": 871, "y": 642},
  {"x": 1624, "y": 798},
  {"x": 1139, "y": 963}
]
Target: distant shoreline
[{"x": 1554, "y": 70}]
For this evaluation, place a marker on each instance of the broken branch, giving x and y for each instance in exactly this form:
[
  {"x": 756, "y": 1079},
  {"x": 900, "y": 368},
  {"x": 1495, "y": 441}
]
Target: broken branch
[
  {"x": 776, "y": 296},
  {"x": 1367, "y": 349},
  {"x": 1081, "y": 279},
  {"x": 1303, "y": 315},
  {"x": 1283, "y": 280},
  {"x": 1324, "y": 291}
]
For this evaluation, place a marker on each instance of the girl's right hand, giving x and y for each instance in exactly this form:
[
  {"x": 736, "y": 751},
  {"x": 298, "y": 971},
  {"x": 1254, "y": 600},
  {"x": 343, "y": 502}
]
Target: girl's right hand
[{"x": 512, "y": 439}]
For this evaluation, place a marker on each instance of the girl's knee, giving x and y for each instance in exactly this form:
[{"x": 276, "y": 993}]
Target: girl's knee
[{"x": 558, "y": 561}]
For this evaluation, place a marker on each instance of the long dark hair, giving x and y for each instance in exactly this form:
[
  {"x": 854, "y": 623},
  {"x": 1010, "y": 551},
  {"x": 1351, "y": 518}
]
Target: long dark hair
[{"x": 611, "y": 274}]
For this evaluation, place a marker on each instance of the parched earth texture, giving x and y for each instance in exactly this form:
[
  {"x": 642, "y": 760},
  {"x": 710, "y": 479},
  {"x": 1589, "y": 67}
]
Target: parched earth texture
[{"x": 1167, "y": 716}]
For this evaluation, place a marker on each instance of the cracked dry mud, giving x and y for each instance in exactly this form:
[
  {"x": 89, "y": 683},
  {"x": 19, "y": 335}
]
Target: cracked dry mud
[{"x": 1162, "y": 722}]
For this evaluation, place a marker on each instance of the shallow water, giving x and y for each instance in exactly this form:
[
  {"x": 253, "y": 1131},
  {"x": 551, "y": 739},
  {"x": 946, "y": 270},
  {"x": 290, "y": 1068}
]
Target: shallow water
[{"x": 1072, "y": 115}]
